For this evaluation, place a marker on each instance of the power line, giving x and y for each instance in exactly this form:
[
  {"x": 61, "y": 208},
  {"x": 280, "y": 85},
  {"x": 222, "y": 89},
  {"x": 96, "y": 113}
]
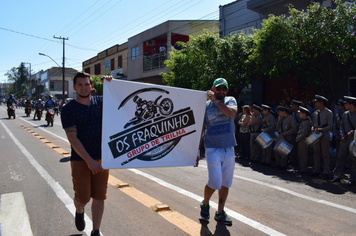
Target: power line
[
  {"x": 157, "y": 15},
  {"x": 214, "y": 15},
  {"x": 79, "y": 16},
  {"x": 134, "y": 28},
  {"x": 140, "y": 25},
  {"x": 99, "y": 15},
  {"x": 29, "y": 35}
]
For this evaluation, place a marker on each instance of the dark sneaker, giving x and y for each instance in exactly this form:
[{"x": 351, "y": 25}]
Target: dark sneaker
[
  {"x": 95, "y": 233},
  {"x": 204, "y": 213},
  {"x": 222, "y": 217},
  {"x": 79, "y": 221}
]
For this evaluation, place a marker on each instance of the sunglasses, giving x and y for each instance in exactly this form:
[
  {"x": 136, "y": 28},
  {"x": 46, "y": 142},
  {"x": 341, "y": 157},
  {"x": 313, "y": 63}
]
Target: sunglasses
[{"x": 223, "y": 88}]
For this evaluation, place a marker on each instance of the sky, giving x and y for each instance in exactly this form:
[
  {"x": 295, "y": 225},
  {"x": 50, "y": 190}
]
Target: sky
[{"x": 28, "y": 27}]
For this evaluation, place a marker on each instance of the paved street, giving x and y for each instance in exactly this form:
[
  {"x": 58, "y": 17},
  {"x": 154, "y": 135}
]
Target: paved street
[{"x": 35, "y": 180}]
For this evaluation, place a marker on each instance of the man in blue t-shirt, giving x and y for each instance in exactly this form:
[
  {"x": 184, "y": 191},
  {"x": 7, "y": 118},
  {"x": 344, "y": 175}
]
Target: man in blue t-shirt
[
  {"x": 50, "y": 103},
  {"x": 10, "y": 101},
  {"x": 38, "y": 106},
  {"x": 219, "y": 144},
  {"x": 82, "y": 122}
]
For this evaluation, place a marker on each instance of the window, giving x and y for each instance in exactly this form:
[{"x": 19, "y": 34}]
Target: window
[
  {"x": 119, "y": 62},
  {"x": 247, "y": 31},
  {"x": 51, "y": 86},
  {"x": 112, "y": 65},
  {"x": 87, "y": 70},
  {"x": 134, "y": 53},
  {"x": 97, "y": 69},
  {"x": 57, "y": 86}
]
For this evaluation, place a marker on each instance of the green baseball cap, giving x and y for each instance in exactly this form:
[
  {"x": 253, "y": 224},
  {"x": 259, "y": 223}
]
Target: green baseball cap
[{"x": 220, "y": 81}]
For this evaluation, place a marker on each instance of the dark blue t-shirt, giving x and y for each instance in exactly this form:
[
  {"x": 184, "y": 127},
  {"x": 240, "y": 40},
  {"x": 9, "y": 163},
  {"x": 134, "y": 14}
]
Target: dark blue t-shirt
[{"x": 88, "y": 120}]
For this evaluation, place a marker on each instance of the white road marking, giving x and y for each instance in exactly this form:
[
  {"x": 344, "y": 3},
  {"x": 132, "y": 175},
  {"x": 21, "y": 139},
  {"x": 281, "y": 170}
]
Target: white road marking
[
  {"x": 57, "y": 188},
  {"x": 14, "y": 218},
  {"x": 231, "y": 213},
  {"x": 246, "y": 179},
  {"x": 346, "y": 208},
  {"x": 55, "y": 135},
  {"x": 352, "y": 210}
]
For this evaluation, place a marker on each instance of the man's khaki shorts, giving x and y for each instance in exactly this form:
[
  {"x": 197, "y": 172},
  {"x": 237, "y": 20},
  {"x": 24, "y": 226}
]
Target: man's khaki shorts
[{"x": 86, "y": 185}]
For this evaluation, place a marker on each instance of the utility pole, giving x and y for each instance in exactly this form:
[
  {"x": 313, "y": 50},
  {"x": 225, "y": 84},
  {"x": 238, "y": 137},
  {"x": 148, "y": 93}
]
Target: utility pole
[
  {"x": 29, "y": 81},
  {"x": 63, "y": 68}
]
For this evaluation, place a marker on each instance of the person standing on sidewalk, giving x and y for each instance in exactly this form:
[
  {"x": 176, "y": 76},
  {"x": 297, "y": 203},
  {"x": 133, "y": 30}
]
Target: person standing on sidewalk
[
  {"x": 286, "y": 127},
  {"x": 337, "y": 123},
  {"x": 303, "y": 132},
  {"x": 82, "y": 122},
  {"x": 347, "y": 127},
  {"x": 269, "y": 126},
  {"x": 219, "y": 143},
  {"x": 322, "y": 122},
  {"x": 255, "y": 130},
  {"x": 244, "y": 134}
]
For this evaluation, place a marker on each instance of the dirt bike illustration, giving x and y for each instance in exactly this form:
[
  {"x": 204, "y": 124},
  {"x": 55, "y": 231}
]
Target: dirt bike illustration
[{"x": 146, "y": 110}]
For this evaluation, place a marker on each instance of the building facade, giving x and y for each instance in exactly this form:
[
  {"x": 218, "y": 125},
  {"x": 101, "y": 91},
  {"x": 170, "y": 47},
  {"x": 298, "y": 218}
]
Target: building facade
[
  {"x": 142, "y": 58},
  {"x": 148, "y": 50},
  {"x": 112, "y": 61},
  {"x": 50, "y": 82},
  {"x": 3, "y": 90}
]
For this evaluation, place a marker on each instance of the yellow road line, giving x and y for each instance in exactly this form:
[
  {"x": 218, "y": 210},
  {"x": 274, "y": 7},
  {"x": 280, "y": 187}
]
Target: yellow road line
[{"x": 186, "y": 224}]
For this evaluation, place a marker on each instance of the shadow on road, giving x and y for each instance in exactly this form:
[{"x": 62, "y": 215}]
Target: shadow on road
[
  {"x": 64, "y": 159},
  {"x": 219, "y": 230},
  {"x": 292, "y": 175}
]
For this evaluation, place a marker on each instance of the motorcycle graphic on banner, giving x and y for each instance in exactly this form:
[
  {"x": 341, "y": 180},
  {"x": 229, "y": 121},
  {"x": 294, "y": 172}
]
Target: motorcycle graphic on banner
[{"x": 146, "y": 125}]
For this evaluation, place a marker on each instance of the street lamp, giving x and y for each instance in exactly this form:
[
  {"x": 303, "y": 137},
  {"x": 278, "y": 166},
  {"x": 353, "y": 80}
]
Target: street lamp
[
  {"x": 42, "y": 54},
  {"x": 63, "y": 89}
]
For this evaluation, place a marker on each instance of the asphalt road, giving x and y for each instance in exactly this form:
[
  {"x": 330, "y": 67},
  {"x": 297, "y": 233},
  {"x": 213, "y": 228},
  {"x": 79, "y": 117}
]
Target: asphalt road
[{"x": 262, "y": 201}]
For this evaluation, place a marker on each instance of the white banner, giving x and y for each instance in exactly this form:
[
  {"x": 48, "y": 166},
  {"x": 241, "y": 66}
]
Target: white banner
[{"x": 147, "y": 125}]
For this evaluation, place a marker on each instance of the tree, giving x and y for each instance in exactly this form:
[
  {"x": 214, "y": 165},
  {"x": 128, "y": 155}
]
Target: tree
[
  {"x": 326, "y": 37},
  {"x": 207, "y": 57},
  {"x": 98, "y": 85},
  {"x": 233, "y": 62},
  {"x": 20, "y": 77},
  {"x": 194, "y": 65},
  {"x": 317, "y": 46}
]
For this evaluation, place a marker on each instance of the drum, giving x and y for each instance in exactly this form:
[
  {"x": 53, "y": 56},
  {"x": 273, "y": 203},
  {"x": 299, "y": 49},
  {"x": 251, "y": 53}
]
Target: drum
[
  {"x": 283, "y": 148},
  {"x": 313, "y": 138},
  {"x": 264, "y": 140},
  {"x": 352, "y": 148}
]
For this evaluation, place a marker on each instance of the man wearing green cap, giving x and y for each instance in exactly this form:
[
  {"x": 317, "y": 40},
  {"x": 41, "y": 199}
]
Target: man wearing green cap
[{"x": 219, "y": 141}]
